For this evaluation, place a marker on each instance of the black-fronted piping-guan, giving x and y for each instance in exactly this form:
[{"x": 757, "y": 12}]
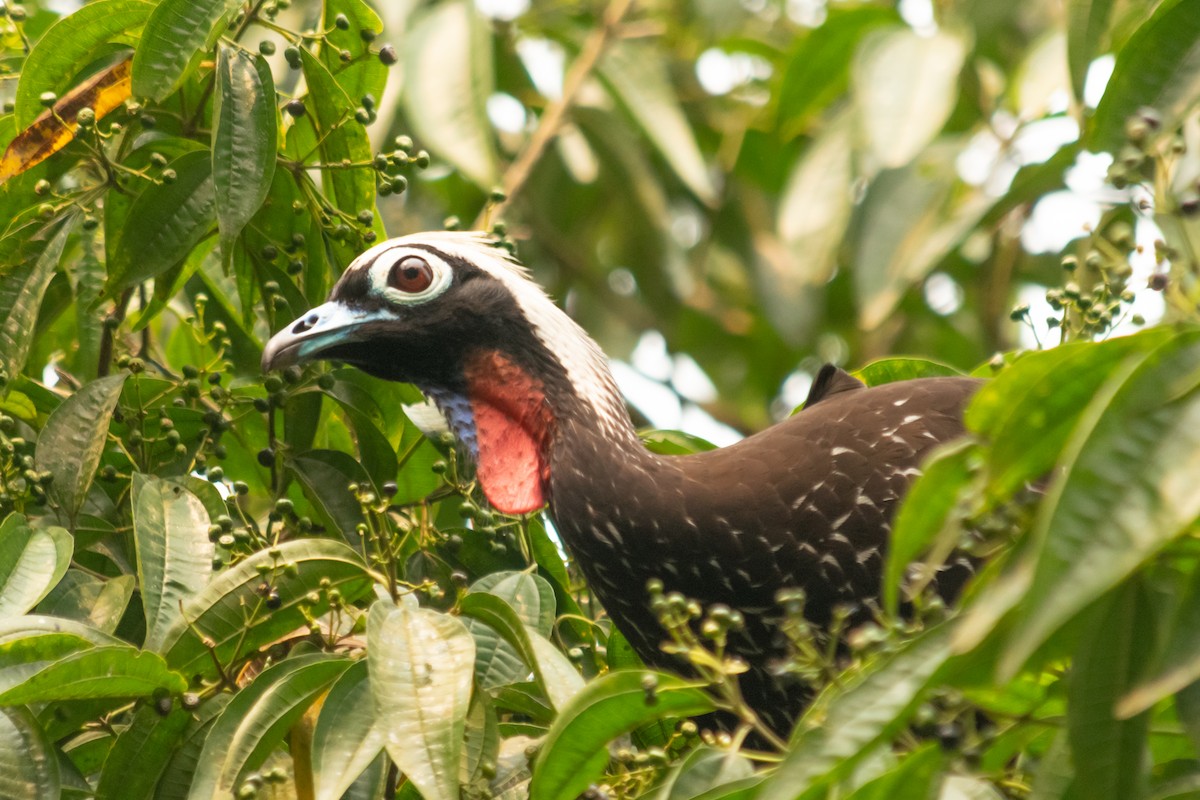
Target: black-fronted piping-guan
[{"x": 807, "y": 503}]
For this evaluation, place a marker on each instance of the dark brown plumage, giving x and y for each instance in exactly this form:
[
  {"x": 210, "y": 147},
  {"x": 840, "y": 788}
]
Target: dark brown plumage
[{"x": 807, "y": 503}]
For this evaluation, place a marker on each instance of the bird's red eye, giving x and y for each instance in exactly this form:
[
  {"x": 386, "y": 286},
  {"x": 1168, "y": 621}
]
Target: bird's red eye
[{"x": 411, "y": 275}]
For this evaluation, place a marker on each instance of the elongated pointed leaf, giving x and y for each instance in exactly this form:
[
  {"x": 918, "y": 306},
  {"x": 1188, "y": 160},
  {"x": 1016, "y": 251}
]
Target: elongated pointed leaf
[
  {"x": 175, "y": 32},
  {"x": 365, "y": 74},
  {"x": 501, "y": 625},
  {"x": 575, "y": 751},
  {"x": 37, "y": 624},
  {"x": 1109, "y": 752},
  {"x": 341, "y": 139},
  {"x": 1087, "y": 24},
  {"x": 818, "y": 68},
  {"x": 73, "y": 440},
  {"x": 638, "y": 79},
  {"x": 815, "y": 206},
  {"x": 903, "y": 368},
  {"x": 346, "y": 739},
  {"x": 22, "y": 286},
  {"x": 1158, "y": 67},
  {"x": 174, "y": 554},
  {"x": 164, "y": 223},
  {"x": 100, "y": 602},
  {"x": 1178, "y": 667},
  {"x": 113, "y": 671},
  {"x": 422, "y": 663},
  {"x": 231, "y": 611},
  {"x": 912, "y": 218},
  {"x": 532, "y": 600},
  {"x": 72, "y": 42},
  {"x": 928, "y": 512},
  {"x": 257, "y": 719},
  {"x": 56, "y": 127},
  {"x": 28, "y": 764},
  {"x": 1132, "y": 468},
  {"x": 176, "y": 780},
  {"x": 140, "y": 754},
  {"x": 244, "y": 139},
  {"x": 702, "y": 769},
  {"x": 1029, "y": 410},
  {"x": 22, "y": 658},
  {"x": 836, "y": 733},
  {"x": 32, "y": 561},
  {"x": 448, "y": 79},
  {"x": 905, "y": 85}
]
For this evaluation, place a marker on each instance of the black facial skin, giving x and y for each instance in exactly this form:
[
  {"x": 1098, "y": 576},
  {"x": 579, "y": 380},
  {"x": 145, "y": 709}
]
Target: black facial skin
[{"x": 427, "y": 343}]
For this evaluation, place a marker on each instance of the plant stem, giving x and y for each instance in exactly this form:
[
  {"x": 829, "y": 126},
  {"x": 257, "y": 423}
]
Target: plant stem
[{"x": 517, "y": 174}]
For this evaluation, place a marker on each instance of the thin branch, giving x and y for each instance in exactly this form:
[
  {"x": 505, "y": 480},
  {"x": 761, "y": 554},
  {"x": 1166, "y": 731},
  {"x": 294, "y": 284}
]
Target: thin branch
[{"x": 517, "y": 174}]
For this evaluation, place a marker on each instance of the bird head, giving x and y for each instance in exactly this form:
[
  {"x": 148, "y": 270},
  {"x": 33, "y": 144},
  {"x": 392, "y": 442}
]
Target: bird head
[{"x": 455, "y": 315}]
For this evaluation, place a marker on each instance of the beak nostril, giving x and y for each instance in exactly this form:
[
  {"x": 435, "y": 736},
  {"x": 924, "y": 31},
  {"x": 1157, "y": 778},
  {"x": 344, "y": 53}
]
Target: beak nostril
[{"x": 306, "y": 324}]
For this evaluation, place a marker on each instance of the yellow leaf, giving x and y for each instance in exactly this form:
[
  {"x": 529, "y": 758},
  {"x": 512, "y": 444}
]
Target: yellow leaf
[{"x": 56, "y": 127}]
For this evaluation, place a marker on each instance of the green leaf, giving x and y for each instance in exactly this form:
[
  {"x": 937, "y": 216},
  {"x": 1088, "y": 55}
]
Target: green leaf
[
  {"x": 73, "y": 440},
  {"x": 140, "y": 754},
  {"x": 673, "y": 443},
  {"x": 814, "y": 208},
  {"x": 176, "y": 31},
  {"x": 847, "y": 723},
  {"x": 448, "y": 79},
  {"x": 22, "y": 658},
  {"x": 23, "y": 283},
  {"x": 231, "y": 612},
  {"x": 903, "y": 368},
  {"x": 1178, "y": 666},
  {"x": 927, "y": 512},
  {"x": 176, "y": 780},
  {"x": 911, "y": 218},
  {"x": 530, "y": 595},
  {"x": 365, "y": 74},
  {"x": 346, "y": 738},
  {"x": 28, "y": 764},
  {"x": 496, "y": 657},
  {"x": 1030, "y": 409},
  {"x": 32, "y": 561},
  {"x": 342, "y": 138},
  {"x": 100, "y": 602},
  {"x": 422, "y": 664},
  {"x": 164, "y": 223},
  {"x": 1109, "y": 752},
  {"x": 174, "y": 554},
  {"x": 912, "y": 779},
  {"x": 72, "y": 42},
  {"x": 575, "y": 751},
  {"x": 1087, "y": 23},
  {"x": 245, "y": 138},
  {"x": 113, "y": 671},
  {"x": 258, "y": 718},
  {"x": 1158, "y": 67},
  {"x": 1127, "y": 491},
  {"x": 35, "y": 625},
  {"x": 638, "y": 79},
  {"x": 325, "y": 475},
  {"x": 818, "y": 68},
  {"x": 905, "y": 86},
  {"x": 702, "y": 770}
]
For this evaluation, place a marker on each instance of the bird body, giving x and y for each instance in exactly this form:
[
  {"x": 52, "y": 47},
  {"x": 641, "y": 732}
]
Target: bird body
[{"x": 805, "y": 504}]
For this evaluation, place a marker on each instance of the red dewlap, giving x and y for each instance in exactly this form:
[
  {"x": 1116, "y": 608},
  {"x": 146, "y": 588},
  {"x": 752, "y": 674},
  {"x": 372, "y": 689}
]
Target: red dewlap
[{"x": 512, "y": 428}]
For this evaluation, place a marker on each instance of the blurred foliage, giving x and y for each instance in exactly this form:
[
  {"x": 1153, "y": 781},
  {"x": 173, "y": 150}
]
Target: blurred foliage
[{"x": 219, "y": 584}]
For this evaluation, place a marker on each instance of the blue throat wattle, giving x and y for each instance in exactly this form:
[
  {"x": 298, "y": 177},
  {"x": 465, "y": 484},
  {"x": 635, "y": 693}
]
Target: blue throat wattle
[{"x": 457, "y": 410}]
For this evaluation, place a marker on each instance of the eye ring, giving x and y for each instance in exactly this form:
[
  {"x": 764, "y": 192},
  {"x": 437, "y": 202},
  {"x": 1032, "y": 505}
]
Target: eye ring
[{"x": 410, "y": 275}]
